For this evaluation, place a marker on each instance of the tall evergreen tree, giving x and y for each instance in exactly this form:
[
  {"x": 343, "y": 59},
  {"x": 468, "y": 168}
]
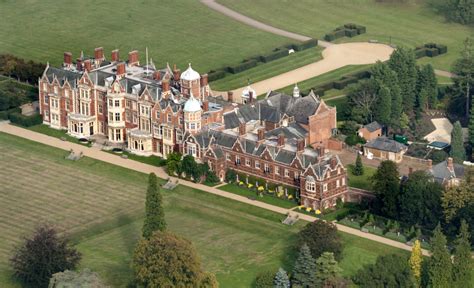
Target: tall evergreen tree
[
  {"x": 397, "y": 106},
  {"x": 463, "y": 68},
  {"x": 415, "y": 261},
  {"x": 281, "y": 279},
  {"x": 154, "y": 213},
  {"x": 305, "y": 268},
  {"x": 403, "y": 62},
  {"x": 457, "y": 144},
  {"x": 462, "y": 265},
  {"x": 471, "y": 124},
  {"x": 430, "y": 84},
  {"x": 358, "y": 167},
  {"x": 327, "y": 268},
  {"x": 386, "y": 185},
  {"x": 440, "y": 267},
  {"x": 383, "y": 106}
]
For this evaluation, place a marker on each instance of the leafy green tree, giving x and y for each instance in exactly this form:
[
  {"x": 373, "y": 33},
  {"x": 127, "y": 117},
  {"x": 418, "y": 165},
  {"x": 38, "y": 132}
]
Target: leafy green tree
[
  {"x": 264, "y": 279},
  {"x": 281, "y": 279},
  {"x": 463, "y": 68},
  {"x": 386, "y": 186},
  {"x": 362, "y": 99},
  {"x": 403, "y": 62},
  {"x": 327, "y": 268},
  {"x": 209, "y": 280},
  {"x": 440, "y": 268},
  {"x": 188, "y": 165},
  {"x": 428, "y": 84},
  {"x": 173, "y": 164},
  {"x": 42, "y": 255},
  {"x": 471, "y": 124},
  {"x": 457, "y": 144},
  {"x": 404, "y": 121},
  {"x": 358, "y": 167},
  {"x": 84, "y": 278},
  {"x": 304, "y": 269},
  {"x": 231, "y": 176},
  {"x": 416, "y": 261},
  {"x": 460, "y": 11},
  {"x": 455, "y": 198},
  {"x": 384, "y": 106},
  {"x": 321, "y": 237},
  {"x": 462, "y": 265},
  {"x": 212, "y": 178},
  {"x": 166, "y": 260},
  {"x": 389, "y": 271},
  {"x": 154, "y": 213}
]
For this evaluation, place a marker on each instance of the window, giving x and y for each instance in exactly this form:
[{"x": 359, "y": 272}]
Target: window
[
  {"x": 287, "y": 173},
  {"x": 237, "y": 159},
  {"x": 247, "y": 162},
  {"x": 338, "y": 171},
  {"x": 67, "y": 105},
  {"x": 192, "y": 126},
  {"x": 99, "y": 107},
  {"x": 45, "y": 87},
  {"x": 118, "y": 135},
  {"x": 110, "y": 103},
  {"x": 158, "y": 115},
  {"x": 46, "y": 99},
  {"x": 257, "y": 165},
  {"x": 169, "y": 118},
  {"x": 325, "y": 187},
  {"x": 46, "y": 113},
  {"x": 117, "y": 116},
  {"x": 117, "y": 103},
  {"x": 338, "y": 183},
  {"x": 56, "y": 90},
  {"x": 128, "y": 116},
  {"x": 297, "y": 175},
  {"x": 310, "y": 186},
  {"x": 192, "y": 150},
  {"x": 66, "y": 93},
  {"x": 111, "y": 116},
  {"x": 343, "y": 181},
  {"x": 227, "y": 156},
  {"x": 266, "y": 168},
  {"x": 128, "y": 103},
  {"x": 277, "y": 170}
]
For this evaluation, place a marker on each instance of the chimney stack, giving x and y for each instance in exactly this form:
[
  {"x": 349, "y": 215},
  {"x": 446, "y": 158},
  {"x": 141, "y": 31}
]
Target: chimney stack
[
  {"x": 165, "y": 85},
  {"x": 87, "y": 65},
  {"x": 242, "y": 129},
  {"x": 333, "y": 162},
  {"x": 230, "y": 96},
  {"x": 281, "y": 140},
  {"x": 321, "y": 151},
  {"x": 261, "y": 134},
  {"x": 99, "y": 54},
  {"x": 300, "y": 145},
  {"x": 79, "y": 64},
  {"x": 157, "y": 75},
  {"x": 115, "y": 56},
  {"x": 67, "y": 59},
  {"x": 251, "y": 96},
  {"x": 450, "y": 164},
  {"x": 204, "y": 80},
  {"x": 120, "y": 69},
  {"x": 430, "y": 164},
  {"x": 176, "y": 73},
  {"x": 205, "y": 106},
  {"x": 133, "y": 58}
]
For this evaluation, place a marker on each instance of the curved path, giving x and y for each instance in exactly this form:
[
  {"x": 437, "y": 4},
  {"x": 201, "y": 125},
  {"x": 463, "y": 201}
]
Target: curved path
[
  {"x": 96, "y": 153},
  {"x": 334, "y": 57}
]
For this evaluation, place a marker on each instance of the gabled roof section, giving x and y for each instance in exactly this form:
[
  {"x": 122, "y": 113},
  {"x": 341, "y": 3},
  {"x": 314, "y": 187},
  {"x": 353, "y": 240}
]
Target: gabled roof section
[{"x": 386, "y": 144}]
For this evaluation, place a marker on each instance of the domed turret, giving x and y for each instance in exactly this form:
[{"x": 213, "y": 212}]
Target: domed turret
[
  {"x": 192, "y": 115},
  {"x": 248, "y": 93},
  {"x": 190, "y": 74},
  {"x": 192, "y": 105}
]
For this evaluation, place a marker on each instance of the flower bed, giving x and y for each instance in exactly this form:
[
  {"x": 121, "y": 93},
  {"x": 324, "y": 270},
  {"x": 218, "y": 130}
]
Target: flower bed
[{"x": 253, "y": 194}]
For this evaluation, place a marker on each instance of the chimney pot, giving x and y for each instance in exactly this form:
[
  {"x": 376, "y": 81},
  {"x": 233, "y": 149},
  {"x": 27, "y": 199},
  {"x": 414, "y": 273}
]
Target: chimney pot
[
  {"x": 176, "y": 73},
  {"x": 300, "y": 145},
  {"x": 87, "y": 65},
  {"x": 120, "y": 69},
  {"x": 261, "y": 134},
  {"x": 450, "y": 163},
  {"x": 115, "y": 55},
  {"x": 204, "y": 80},
  {"x": 79, "y": 64},
  {"x": 250, "y": 96},
  {"x": 157, "y": 75},
  {"x": 67, "y": 58},
  {"x": 133, "y": 58},
  {"x": 242, "y": 129},
  {"x": 230, "y": 96},
  {"x": 99, "y": 53},
  {"x": 165, "y": 85},
  {"x": 281, "y": 140},
  {"x": 333, "y": 162}
]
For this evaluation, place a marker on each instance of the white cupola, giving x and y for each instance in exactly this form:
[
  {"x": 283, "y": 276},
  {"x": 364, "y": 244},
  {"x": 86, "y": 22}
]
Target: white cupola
[
  {"x": 190, "y": 74},
  {"x": 296, "y": 91}
]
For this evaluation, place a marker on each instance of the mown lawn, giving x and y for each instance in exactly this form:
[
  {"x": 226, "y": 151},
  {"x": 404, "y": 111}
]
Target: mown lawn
[
  {"x": 362, "y": 181},
  {"x": 101, "y": 207},
  {"x": 174, "y": 31},
  {"x": 267, "y": 70},
  {"x": 410, "y": 23}
]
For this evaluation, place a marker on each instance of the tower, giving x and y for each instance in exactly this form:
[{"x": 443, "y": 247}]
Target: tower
[
  {"x": 191, "y": 82},
  {"x": 192, "y": 115},
  {"x": 296, "y": 91}
]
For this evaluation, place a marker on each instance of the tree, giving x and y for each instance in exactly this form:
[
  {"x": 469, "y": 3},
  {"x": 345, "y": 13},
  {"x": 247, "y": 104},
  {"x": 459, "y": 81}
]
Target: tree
[
  {"x": 403, "y": 62},
  {"x": 209, "y": 280},
  {"x": 457, "y": 144},
  {"x": 188, "y": 165},
  {"x": 427, "y": 87},
  {"x": 321, "y": 237},
  {"x": 166, "y": 260},
  {"x": 463, "y": 68},
  {"x": 211, "y": 177},
  {"x": 471, "y": 124},
  {"x": 384, "y": 106},
  {"x": 359, "y": 167},
  {"x": 281, "y": 279},
  {"x": 362, "y": 100},
  {"x": 404, "y": 121},
  {"x": 386, "y": 186},
  {"x": 264, "y": 279},
  {"x": 304, "y": 269},
  {"x": 456, "y": 198},
  {"x": 415, "y": 261},
  {"x": 42, "y": 255},
  {"x": 154, "y": 213},
  {"x": 173, "y": 164},
  {"x": 327, "y": 268},
  {"x": 84, "y": 278},
  {"x": 230, "y": 176},
  {"x": 440, "y": 266},
  {"x": 462, "y": 264},
  {"x": 389, "y": 271}
]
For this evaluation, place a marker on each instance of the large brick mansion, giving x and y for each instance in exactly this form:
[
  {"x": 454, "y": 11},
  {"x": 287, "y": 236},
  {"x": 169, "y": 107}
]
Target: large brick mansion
[{"x": 150, "y": 111}]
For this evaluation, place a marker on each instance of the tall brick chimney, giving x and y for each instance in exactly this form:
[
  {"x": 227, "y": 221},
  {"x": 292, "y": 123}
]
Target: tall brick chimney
[
  {"x": 157, "y": 75},
  {"x": 230, "y": 96},
  {"x": 87, "y": 65},
  {"x": 333, "y": 162},
  {"x": 120, "y": 69},
  {"x": 176, "y": 73},
  {"x": 242, "y": 129},
  {"x": 281, "y": 140},
  {"x": 205, "y": 106},
  {"x": 204, "y": 80},
  {"x": 450, "y": 163},
  {"x": 133, "y": 58},
  {"x": 320, "y": 150},
  {"x": 300, "y": 145},
  {"x": 79, "y": 64},
  {"x": 165, "y": 85},
  {"x": 115, "y": 57},
  {"x": 261, "y": 135},
  {"x": 251, "y": 96},
  {"x": 67, "y": 59},
  {"x": 99, "y": 53}
]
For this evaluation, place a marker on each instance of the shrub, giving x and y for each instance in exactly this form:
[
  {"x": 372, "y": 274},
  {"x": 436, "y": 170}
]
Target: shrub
[
  {"x": 274, "y": 55},
  {"x": 25, "y": 121},
  {"x": 442, "y": 49},
  {"x": 215, "y": 75},
  {"x": 342, "y": 83},
  {"x": 264, "y": 279},
  {"x": 321, "y": 237},
  {"x": 305, "y": 45},
  {"x": 242, "y": 67},
  {"x": 351, "y": 33},
  {"x": 231, "y": 176},
  {"x": 432, "y": 52},
  {"x": 354, "y": 139},
  {"x": 365, "y": 74},
  {"x": 330, "y": 37},
  {"x": 419, "y": 53}
]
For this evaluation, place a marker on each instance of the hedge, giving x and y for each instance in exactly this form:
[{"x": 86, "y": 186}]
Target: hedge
[
  {"x": 347, "y": 30},
  {"x": 305, "y": 45},
  {"x": 215, "y": 75},
  {"x": 25, "y": 121},
  {"x": 341, "y": 84},
  {"x": 242, "y": 67},
  {"x": 351, "y": 33},
  {"x": 4, "y": 114},
  {"x": 430, "y": 50},
  {"x": 273, "y": 56}
]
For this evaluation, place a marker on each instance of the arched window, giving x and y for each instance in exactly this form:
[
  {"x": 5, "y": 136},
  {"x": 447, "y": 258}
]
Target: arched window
[{"x": 310, "y": 184}]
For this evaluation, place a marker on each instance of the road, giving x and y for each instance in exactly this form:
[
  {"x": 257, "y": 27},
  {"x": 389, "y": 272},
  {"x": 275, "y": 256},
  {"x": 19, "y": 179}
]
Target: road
[{"x": 96, "y": 153}]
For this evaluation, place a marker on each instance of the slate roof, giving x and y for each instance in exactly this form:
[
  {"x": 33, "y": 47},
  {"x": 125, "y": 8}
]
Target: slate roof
[
  {"x": 298, "y": 107},
  {"x": 231, "y": 120},
  {"x": 63, "y": 75},
  {"x": 374, "y": 126},
  {"x": 321, "y": 166},
  {"x": 285, "y": 156},
  {"x": 292, "y": 131},
  {"x": 441, "y": 172},
  {"x": 386, "y": 144}
]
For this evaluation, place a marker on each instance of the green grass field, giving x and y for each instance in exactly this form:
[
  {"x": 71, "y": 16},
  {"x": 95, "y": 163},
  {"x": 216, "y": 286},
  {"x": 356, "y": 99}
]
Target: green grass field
[
  {"x": 362, "y": 181},
  {"x": 175, "y": 32},
  {"x": 409, "y": 24},
  {"x": 267, "y": 70},
  {"x": 101, "y": 207}
]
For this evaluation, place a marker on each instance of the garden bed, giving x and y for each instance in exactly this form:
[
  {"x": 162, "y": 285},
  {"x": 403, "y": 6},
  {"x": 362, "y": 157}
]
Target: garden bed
[{"x": 253, "y": 194}]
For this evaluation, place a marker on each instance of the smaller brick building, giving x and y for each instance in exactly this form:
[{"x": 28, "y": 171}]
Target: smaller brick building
[{"x": 370, "y": 131}]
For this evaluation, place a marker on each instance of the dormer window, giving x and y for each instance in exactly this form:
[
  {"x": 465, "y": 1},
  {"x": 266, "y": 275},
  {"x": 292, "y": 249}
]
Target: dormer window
[
  {"x": 55, "y": 90},
  {"x": 310, "y": 184},
  {"x": 108, "y": 81},
  {"x": 136, "y": 89}
]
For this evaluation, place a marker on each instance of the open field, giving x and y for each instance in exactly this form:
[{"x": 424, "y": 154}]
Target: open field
[
  {"x": 175, "y": 32},
  {"x": 267, "y": 70},
  {"x": 101, "y": 205},
  {"x": 362, "y": 181},
  {"x": 409, "y": 24}
]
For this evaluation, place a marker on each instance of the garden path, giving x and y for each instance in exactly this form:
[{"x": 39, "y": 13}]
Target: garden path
[{"x": 96, "y": 153}]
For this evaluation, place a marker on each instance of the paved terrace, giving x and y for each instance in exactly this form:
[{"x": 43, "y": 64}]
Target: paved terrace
[{"x": 96, "y": 153}]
